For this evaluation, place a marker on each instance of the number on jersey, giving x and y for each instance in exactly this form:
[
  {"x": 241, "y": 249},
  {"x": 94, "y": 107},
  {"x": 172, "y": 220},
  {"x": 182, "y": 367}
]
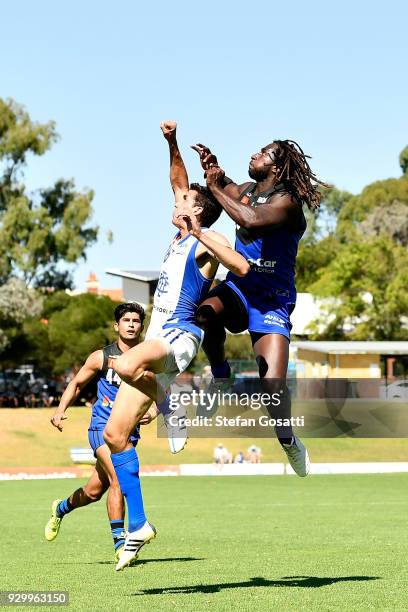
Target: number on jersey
[{"x": 112, "y": 377}]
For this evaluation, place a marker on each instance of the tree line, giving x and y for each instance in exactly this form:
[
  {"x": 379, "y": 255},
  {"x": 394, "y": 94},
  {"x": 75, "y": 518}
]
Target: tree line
[{"x": 354, "y": 257}]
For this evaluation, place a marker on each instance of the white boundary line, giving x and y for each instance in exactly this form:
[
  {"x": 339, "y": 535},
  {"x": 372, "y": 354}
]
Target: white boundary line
[{"x": 234, "y": 469}]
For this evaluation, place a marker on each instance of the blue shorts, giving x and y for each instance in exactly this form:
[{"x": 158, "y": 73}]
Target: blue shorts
[
  {"x": 95, "y": 437},
  {"x": 267, "y": 316}
]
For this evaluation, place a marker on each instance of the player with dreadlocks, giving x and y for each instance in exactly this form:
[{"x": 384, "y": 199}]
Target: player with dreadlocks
[{"x": 270, "y": 223}]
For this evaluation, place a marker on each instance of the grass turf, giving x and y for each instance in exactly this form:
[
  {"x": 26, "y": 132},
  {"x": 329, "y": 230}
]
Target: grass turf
[
  {"x": 27, "y": 439},
  {"x": 243, "y": 543}
]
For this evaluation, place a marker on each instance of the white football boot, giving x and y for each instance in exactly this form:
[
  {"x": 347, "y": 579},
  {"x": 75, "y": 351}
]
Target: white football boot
[
  {"x": 176, "y": 429},
  {"x": 133, "y": 543},
  {"x": 298, "y": 457}
]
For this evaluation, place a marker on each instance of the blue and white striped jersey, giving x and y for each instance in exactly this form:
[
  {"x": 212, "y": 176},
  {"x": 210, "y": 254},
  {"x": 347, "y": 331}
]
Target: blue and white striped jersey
[{"x": 180, "y": 289}]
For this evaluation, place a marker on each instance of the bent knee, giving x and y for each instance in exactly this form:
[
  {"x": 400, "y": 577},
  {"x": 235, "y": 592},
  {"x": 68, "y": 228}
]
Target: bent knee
[
  {"x": 112, "y": 437},
  {"x": 207, "y": 318},
  {"x": 128, "y": 368}
]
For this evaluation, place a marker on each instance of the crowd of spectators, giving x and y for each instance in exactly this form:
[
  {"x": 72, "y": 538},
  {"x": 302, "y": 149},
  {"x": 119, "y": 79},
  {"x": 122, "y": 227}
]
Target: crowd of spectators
[
  {"x": 222, "y": 455},
  {"x": 25, "y": 388}
]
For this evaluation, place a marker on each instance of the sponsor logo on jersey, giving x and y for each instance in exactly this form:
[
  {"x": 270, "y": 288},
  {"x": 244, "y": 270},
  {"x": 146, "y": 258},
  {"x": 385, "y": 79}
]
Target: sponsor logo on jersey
[
  {"x": 164, "y": 310},
  {"x": 262, "y": 265},
  {"x": 271, "y": 319}
]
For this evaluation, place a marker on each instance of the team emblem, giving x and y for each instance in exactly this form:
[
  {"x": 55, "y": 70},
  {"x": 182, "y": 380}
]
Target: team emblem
[{"x": 162, "y": 284}]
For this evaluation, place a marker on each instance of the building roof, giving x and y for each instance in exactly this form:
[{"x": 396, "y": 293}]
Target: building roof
[
  {"x": 141, "y": 275},
  {"x": 147, "y": 276},
  {"x": 355, "y": 347}
]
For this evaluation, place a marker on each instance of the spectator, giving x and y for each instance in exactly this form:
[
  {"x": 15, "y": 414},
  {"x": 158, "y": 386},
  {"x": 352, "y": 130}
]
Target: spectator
[
  {"x": 239, "y": 457},
  {"x": 254, "y": 454},
  {"x": 206, "y": 377},
  {"x": 222, "y": 455}
]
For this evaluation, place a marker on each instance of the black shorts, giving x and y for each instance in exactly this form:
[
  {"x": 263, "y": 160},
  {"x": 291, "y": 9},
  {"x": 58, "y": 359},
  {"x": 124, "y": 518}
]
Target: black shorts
[{"x": 235, "y": 315}]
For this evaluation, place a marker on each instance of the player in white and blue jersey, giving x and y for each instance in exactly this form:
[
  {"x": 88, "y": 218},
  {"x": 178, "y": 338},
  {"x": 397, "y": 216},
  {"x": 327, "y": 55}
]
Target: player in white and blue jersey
[
  {"x": 270, "y": 223},
  {"x": 129, "y": 318},
  {"x": 173, "y": 337}
]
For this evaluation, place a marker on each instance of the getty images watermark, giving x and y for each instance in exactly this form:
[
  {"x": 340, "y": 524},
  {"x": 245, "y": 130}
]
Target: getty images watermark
[
  {"x": 313, "y": 408},
  {"x": 207, "y": 402}
]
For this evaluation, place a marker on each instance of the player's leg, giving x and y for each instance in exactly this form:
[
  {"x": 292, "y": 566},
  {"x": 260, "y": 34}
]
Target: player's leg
[
  {"x": 138, "y": 368},
  {"x": 114, "y": 501},
  {"x": 164, "y": 358},
  {"x": 149, "y": 356},
  {"x": 91, "y": 492},
  {"x": 210, "y": 317},
  {"x": 223, "y": 308},
  {"x": 129, "y": 407},
  {"x": 272, "y": 356}
]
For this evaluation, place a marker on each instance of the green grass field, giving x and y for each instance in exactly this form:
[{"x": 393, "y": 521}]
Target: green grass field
[
  {"x": 27, "y": 440},
  {"x": 241, "y": 543}
]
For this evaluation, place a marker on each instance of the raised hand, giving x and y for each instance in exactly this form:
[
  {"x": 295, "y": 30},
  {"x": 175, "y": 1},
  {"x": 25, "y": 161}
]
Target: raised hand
[
  {"x": 214, "y": 176},
  {"x": 169, "y": 129},
  {"x": 207, "y": 158}
]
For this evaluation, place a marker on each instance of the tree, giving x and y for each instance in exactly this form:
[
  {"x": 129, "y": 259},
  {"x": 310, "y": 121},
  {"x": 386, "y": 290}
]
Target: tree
[
  {"x": 368, "y": 278},
  {"x": 39, "y": 230},
  {"x": 68, "y": 329},
  {"x": 312, "y": 258},
  {"x": 380, "y": 194},
  {"x": 319, "y": 244},
  {"x": 403, "y": 160},
  {"x": 359, "y": 265},
  {"x": 86, "y": 324},
  {"x": 17, "y": 303},
  {"x": 391, "y": 220},
  {"x": 322, "y": 222}
]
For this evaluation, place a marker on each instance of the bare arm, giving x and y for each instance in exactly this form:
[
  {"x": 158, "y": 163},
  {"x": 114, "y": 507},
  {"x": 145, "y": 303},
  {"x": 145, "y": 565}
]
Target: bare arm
[
  {"x": 88, "y": 371},
  {"x": 277, "y": 210},
  {"x": 215, "y": 248},
  {"x": 219, "y": 248},
  {"x": 178, "y": 172}
]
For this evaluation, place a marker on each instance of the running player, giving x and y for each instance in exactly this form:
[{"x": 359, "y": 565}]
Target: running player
[
  {"x": 173, "y": 337},
  {"x": 129, "y": 319},
  {"x": 270, "y": 222}
]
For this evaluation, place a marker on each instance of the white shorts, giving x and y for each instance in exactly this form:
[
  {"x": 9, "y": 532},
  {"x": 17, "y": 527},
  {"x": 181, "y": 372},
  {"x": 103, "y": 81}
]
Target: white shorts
[{"x": 182, "y": 346}]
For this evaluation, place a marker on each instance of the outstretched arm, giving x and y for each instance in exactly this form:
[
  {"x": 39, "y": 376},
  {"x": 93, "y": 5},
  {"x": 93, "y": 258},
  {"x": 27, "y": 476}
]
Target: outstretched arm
[
  {"x": 178, "y": 172},
  {"x": 278, "y": 209},
  {"x": 90, "y": 368}
]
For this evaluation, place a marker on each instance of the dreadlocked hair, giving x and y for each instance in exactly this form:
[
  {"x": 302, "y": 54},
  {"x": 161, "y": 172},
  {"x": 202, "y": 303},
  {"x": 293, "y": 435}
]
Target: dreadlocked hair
[{"x": 296, "y": 174}]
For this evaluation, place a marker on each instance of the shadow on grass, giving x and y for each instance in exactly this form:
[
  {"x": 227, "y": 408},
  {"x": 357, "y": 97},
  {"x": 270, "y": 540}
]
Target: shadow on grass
[
  {"x": 144, "y": 561},
  {"x": 313, "y": 582}
]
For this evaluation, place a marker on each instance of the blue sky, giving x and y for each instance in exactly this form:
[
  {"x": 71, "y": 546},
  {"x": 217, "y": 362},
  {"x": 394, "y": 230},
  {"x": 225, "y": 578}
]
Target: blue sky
[{"x": 235, "y": 75}]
